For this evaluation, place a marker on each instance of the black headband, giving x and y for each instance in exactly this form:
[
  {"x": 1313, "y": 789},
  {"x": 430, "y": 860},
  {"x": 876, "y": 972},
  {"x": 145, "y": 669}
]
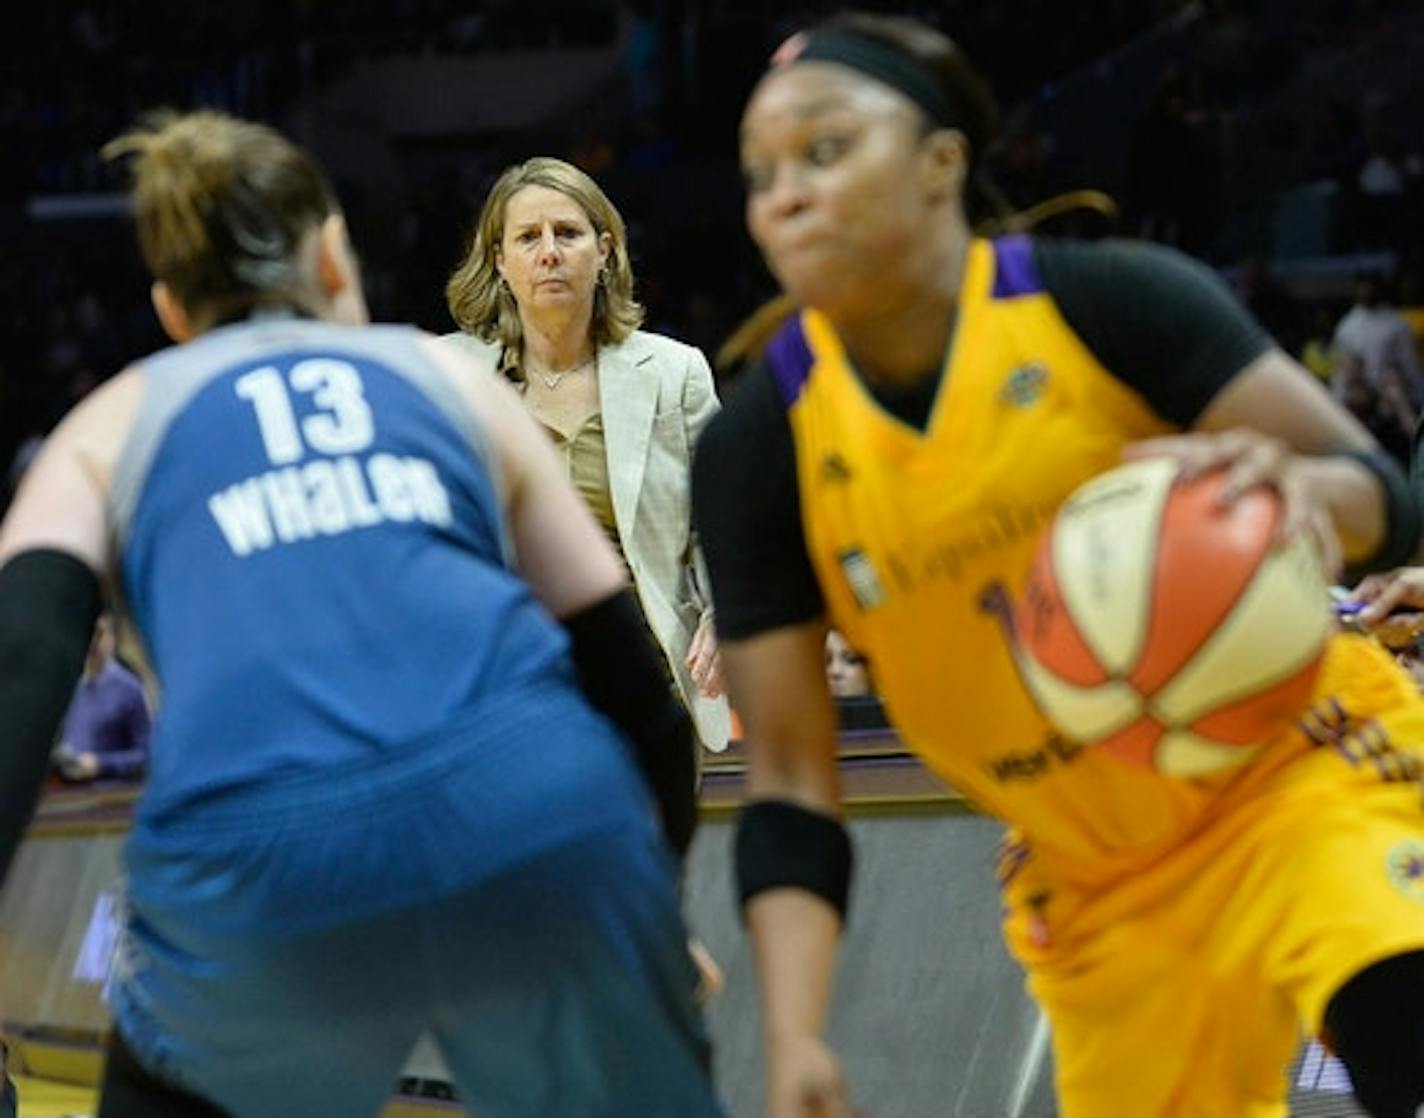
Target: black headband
[{"x": 883, "y": 62}]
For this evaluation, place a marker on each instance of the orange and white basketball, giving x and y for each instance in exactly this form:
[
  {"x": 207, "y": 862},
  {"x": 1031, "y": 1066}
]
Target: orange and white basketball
[{"x": 1170, "y": 631}]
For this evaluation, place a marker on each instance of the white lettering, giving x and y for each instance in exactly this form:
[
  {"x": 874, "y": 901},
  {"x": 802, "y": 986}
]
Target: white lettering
[
  {"x": 328, "y": 511},
  {"x": 345, "y": 423},
  {"x": 287, "y": 503},
  {"x": 388, "y": 482},
  {"x": 328, "y": 497},
  {"x": 432, "y": 503},
  {"x": 268, "y": 395},
  {"x": 240, "y": 514},
  {"x": 359, "y": 506}
]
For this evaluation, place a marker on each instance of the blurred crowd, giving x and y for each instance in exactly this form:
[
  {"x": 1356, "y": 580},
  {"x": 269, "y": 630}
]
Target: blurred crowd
[
  {"x": 74, "y": 296},
  {"x": 77, "y": 74}
]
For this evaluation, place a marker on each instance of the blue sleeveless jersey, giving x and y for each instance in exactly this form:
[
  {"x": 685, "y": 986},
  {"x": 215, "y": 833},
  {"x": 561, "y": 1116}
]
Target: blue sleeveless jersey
[{"x": 311, "y": 547}]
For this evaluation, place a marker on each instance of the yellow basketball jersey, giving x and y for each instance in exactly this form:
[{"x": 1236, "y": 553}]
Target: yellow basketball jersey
[{"x": 919, "y": 538}]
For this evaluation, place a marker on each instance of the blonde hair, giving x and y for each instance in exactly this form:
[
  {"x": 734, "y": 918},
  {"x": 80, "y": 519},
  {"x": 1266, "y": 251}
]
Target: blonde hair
[
  {"x": 482, "y": 305},
  {"x": 222, "y": 206}
]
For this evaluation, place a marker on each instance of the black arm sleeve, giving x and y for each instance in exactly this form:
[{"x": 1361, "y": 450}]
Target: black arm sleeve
[
  {"x": 747, "y": 509},
  {"x": 1158, "y": 320},
  {"x": 623, "y": 676},
  {"x": 49, "y": 601}
]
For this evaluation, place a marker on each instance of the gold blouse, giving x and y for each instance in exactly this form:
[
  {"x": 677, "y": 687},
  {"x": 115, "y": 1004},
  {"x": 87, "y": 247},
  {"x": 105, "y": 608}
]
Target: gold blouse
[{"x": 586, "y": 460}]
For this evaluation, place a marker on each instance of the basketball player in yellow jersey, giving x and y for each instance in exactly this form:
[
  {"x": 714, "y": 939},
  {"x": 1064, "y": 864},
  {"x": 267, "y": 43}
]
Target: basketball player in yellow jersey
[{"x": 887, "y": 469}]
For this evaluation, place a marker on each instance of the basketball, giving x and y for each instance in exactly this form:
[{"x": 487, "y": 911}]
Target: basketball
[{"x": 1174, "y": 633}]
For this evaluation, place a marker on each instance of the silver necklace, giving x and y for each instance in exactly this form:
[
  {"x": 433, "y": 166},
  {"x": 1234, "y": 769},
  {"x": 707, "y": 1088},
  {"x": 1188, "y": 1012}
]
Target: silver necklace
[{"x": 552, "y": 380}]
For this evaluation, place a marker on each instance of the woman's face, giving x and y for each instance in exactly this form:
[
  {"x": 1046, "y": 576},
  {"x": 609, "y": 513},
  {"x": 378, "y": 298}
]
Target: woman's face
[
  {"x": 835, "y": 191},
  {"x": 846, "y": 673},
  {"x": 550, "y": 254}
]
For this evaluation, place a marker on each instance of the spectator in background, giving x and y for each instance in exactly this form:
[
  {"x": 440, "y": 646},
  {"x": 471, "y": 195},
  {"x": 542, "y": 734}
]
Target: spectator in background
[
  {"x": 1380, "y": 184},
  {"x": 1385, "y": 408},
  {"x": 1374, "y": 334},
  {"x": 107, "y": 728},
  {"x": 847, "y": 671},
  {"x": 849, "y": 681}
]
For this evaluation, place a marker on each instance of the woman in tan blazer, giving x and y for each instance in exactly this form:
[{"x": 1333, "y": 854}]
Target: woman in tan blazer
[{"x": 545, "y": 297}]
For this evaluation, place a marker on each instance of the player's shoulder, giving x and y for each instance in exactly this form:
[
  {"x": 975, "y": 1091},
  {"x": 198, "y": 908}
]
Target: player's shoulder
[
  {"x": 109, "y": 407},
  {"x": 785, "y": 363},
  {"x": 1136, "y": 288},
  {"x": 469, "y": 361},
  {"x": 96, "y": 430},
  {"x": 1066, "y": 261},
  {"x": 458, "y": 341}
]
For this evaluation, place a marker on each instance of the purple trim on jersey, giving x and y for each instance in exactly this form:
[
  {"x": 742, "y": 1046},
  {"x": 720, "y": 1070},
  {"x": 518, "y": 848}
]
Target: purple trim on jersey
[
  {"x": 790, "y": 359},
  {"x": 1014, "y": 271}
]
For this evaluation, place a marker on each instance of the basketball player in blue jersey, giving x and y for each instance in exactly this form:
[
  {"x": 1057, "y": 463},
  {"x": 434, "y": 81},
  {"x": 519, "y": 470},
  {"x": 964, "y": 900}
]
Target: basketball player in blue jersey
[{"x": 388, "y": 792}]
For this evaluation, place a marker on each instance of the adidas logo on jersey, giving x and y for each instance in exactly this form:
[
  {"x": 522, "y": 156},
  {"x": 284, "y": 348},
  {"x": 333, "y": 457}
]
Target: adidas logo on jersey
[{"x": 834, "y": 468}]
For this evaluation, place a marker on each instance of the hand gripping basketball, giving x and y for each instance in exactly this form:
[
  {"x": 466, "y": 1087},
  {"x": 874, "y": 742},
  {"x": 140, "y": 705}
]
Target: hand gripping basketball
[
  {"x": 1167, "y": 622},
  {"x": 1251, "y": 459}
]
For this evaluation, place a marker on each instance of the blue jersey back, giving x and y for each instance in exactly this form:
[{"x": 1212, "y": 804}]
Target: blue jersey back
[{"x": 312, "y": 548}]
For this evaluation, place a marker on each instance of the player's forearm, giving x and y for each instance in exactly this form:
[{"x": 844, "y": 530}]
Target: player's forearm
[
  {"x": 794, "y": 865},
  {"x": 1352, "y": 497},
  {"x": 795, "y": 935},
  {"x": 1371, "y": 506},
  {"x": 793, "y": 854},
  {"x": 624, "y": 678}
]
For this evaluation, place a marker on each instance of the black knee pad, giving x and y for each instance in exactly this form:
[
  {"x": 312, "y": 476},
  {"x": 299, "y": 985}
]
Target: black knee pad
[{"x": 1375, "y": 1023}]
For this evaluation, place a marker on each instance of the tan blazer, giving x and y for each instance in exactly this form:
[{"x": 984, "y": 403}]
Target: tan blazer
[{"x": 656, "y": 395}]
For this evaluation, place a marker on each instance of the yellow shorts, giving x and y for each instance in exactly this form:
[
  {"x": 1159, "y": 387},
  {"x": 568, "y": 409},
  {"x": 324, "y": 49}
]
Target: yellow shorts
[{"x": 1184, "y": 990}]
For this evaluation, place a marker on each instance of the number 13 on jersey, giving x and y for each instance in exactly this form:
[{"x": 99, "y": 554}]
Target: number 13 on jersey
[{"x": 341, "y": 424}]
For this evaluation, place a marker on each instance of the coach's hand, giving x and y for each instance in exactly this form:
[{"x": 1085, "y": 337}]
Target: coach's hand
[
  {"x": 804, "y": 1080},
  {"x": 704, "y": 661},
  {"x": 1252, "y": 459},
  {"x": 710, "y": 980}
]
